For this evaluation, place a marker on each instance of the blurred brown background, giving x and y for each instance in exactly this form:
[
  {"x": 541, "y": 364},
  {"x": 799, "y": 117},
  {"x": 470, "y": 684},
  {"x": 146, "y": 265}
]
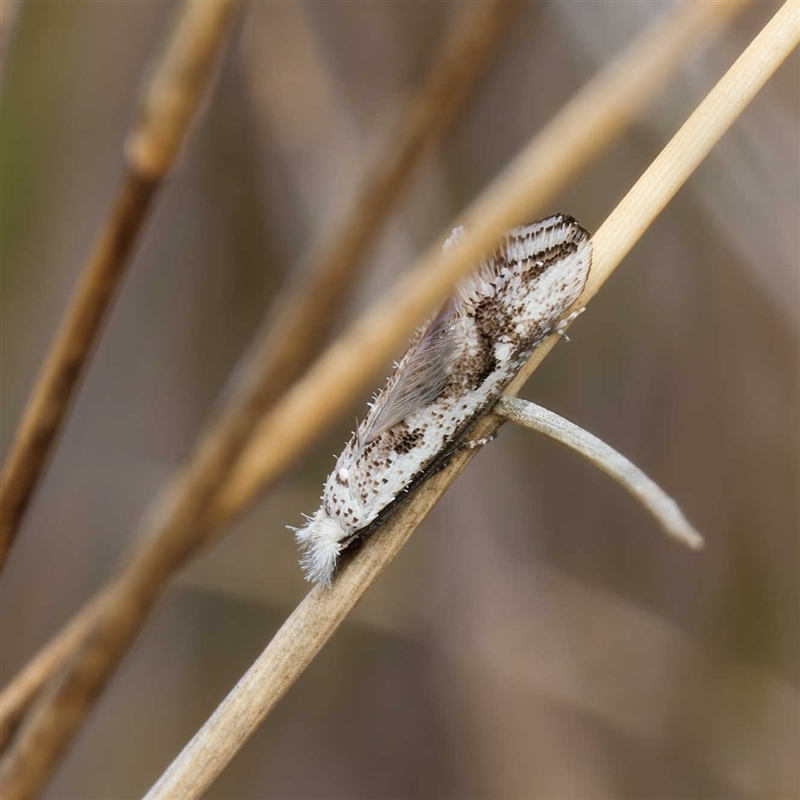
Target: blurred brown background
[{"x": 538, "y": 638}]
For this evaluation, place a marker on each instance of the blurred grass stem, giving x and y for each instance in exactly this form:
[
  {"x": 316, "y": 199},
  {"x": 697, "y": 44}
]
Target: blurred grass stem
[
  {"x": 169, "y": 105},
  {"x": 19, "y": 694},
  {"x": 314, "y": 621}
]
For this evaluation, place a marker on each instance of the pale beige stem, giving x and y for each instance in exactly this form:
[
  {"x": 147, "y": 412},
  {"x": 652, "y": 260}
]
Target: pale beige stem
[
  {"x": 322, "y": 611},
  {"x": 665, "y": 510},
  {"x": 20, "y": 693}
]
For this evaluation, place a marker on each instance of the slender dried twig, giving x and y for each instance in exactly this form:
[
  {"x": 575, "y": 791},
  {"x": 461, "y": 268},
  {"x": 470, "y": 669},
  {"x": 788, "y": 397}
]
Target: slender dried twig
[
  {"x": 586, "y": 125},
  {"x": 170, "y": 104},
  {"x": 48, "y": 406},
  {"x": 317, "y": 617},
  {"x": 666, "y": 511},
  {"x": 19, "y": 694}
]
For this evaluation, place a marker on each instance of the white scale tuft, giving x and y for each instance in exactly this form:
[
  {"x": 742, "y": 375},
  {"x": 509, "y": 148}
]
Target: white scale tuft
[{"x": 452, "y": 374}]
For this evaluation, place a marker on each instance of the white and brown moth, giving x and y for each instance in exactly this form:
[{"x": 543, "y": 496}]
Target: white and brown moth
[{"x": 454, "y": 371}]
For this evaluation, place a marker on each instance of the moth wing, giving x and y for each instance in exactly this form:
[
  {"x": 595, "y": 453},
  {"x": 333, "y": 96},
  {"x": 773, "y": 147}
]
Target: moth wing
[{"x": 421, "y": 376}]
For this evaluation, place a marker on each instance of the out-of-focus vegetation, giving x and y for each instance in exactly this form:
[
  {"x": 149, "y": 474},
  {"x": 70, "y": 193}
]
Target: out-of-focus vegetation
[{"x": 538, "y": 637}]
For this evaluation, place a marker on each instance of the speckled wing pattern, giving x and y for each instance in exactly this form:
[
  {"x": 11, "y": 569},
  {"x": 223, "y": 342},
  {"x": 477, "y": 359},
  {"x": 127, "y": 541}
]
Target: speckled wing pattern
[{"x": 452, "y": 374}]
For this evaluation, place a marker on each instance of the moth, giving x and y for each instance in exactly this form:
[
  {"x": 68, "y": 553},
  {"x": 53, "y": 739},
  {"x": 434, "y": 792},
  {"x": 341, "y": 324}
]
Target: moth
[{"x": 454, "y": 371}]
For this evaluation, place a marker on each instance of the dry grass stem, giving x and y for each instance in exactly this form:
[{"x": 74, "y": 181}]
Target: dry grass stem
[
  {"x": 179, "y": 85},
  {"x": 47, "y": 408},
  {"x": 292, "y": 648},
  {"x": 317, "y": 617},
  {"x": 605, "y": 458},
  {"x": 22, "y": 691},
  {"x": 587, "y": 124},
  {"x": 169, "y": 105}
]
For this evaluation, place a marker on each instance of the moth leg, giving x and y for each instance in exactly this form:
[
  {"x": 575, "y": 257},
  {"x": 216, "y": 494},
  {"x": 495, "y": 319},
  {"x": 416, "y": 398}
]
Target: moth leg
[
  {"x": 561, "y": 328},
  {"x": 472, "y": 444}
]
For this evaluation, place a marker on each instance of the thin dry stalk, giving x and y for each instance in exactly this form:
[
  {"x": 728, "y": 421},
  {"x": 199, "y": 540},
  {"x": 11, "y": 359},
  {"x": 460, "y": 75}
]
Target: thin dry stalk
[
  {"x": 314, "y": 621},
  {"x": 597, "y": 452},
  {"x": 169, "y": 106},
  {"x": 19, "y": 694},
  {"x": 585, "y": 126},
  {"x": 48, "y": 406}
]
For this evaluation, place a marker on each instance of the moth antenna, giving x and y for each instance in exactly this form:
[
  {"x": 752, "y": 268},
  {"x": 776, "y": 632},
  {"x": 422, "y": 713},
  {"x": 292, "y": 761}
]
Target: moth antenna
[{"x": 359, "y": 443}]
